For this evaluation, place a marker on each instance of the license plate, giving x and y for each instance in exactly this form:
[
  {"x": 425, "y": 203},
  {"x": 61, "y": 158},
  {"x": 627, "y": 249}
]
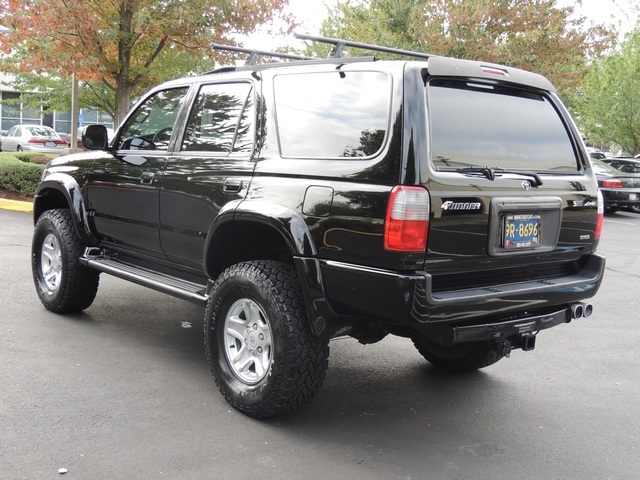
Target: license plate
[
  {"x": 49, "y": 144},
  {"x": 633, "y": 196},
  {"x": 521, "y": 230}
]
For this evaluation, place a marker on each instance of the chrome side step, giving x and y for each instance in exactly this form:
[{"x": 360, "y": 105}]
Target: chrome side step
[{"x": 178, "y": 287}]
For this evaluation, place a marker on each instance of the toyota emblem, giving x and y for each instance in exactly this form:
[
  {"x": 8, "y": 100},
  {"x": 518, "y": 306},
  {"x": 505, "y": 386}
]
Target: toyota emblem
[{"x": 526, "y": 185}]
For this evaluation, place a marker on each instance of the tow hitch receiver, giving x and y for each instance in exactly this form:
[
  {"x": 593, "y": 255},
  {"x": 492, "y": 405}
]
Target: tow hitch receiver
[{"x": 526, "y": 341}]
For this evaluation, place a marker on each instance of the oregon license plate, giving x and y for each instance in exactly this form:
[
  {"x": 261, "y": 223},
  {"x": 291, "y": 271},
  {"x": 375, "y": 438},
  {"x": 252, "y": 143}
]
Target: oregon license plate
[{"x": 521, "y": 230}]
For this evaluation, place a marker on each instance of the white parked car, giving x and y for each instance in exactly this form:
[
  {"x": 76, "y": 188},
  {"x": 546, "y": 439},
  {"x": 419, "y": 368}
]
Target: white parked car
[{"x": 33, "y": 138}]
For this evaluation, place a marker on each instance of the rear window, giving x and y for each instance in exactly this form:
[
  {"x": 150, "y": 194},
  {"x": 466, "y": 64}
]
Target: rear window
[
  {"x": 333, "y": 114},
  {"x": 483, "y": 125}
]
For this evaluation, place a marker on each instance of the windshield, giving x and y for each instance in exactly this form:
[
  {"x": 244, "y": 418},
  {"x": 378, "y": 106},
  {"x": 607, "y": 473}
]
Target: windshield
[
  {"x": 42, "y": 132},
  {"x": 484, "y": 125},
  {"x": 601, "y": 167}
]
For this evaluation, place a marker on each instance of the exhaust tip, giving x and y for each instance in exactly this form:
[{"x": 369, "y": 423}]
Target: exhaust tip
[
  {"x": 577, "y": 310},
  {"x": 581, "y": 310}
]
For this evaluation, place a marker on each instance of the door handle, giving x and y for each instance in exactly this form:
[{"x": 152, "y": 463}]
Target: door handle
[
  {"x": 232, "y": 185},
  {"x": 147, "y": 178}
]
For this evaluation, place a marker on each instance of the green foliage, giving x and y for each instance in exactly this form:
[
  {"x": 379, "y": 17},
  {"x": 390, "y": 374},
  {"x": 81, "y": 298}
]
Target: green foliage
[
  {"x": 34, "y": 157},
  {"x": 19, "y": 176},
  {"x": 533, "y": 35},
  {"x": 609, "y": 105}
]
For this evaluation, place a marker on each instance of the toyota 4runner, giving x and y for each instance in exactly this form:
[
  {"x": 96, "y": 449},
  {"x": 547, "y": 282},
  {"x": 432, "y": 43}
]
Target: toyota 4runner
[{"x": 444, "y": 200}]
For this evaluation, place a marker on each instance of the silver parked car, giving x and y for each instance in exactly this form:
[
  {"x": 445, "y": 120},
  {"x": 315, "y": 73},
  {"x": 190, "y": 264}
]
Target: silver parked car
[{"x": 33, "y": 138}]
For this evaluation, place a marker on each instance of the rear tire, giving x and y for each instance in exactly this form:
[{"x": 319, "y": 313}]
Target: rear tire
[
  {"x": 62, "y": 283},
  {"x": 463, "y": 357},
  {"x": 260, "y": 347},
  {"x": 635, "y": 208}
]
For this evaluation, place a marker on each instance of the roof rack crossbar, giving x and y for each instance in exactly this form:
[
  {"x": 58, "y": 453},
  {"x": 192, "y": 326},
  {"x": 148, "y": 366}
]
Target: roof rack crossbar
[
  {"x": 253, "y": 54},
  {"x": 339, "y": 44}
]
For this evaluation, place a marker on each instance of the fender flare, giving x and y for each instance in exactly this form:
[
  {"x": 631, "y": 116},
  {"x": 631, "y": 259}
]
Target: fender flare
[
  {"x": 287, "y": 222},
  {"x": 69, "y": 188},
  {"x": 291, "y": 226}
]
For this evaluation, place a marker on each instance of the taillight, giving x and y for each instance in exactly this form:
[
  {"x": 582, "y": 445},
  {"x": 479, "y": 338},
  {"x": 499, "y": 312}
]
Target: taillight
[
  {"x": 613, "y": 183},
  {"x": 35, "y": 140},
  {"x": 600, "y": 219},
  {"x": 407, "y": 224}
]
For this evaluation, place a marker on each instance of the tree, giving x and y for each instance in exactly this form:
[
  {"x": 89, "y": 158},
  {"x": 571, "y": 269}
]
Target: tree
[
  {"x": 609, "y": 104},
  {"x": 121, "y": 47},
  {"x": 530, "y": 34}
]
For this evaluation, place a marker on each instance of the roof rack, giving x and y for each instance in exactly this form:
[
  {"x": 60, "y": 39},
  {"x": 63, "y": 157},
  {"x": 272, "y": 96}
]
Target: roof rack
[
  {"x": 339, "y": 44},
  {"x": 253, "y": 54}
]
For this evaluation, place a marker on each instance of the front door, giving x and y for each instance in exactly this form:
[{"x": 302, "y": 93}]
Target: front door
[{"x": 124, "y": 191}]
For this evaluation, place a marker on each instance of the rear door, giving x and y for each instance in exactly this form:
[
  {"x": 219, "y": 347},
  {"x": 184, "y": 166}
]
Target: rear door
[
  {"x": 212, "y": 166},
  {"x": 512, "y": 197}
]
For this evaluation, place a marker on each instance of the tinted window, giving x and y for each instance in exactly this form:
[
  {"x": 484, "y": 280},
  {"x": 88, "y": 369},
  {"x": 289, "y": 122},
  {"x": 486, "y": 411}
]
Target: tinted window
[
  {"x": 220, "y": 120},
  {"x": 151, "y": 125},
  {"x": 483, "y": 125},
  {"x": 333, "y": 114}
]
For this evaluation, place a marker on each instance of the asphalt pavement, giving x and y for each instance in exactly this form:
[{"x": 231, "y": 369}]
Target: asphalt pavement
[{"x": 123, "y": 391}]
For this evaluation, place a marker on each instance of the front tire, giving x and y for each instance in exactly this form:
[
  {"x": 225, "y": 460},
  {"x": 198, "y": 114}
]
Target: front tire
[
  {"x": 62, "y": 283},
  {"x": 262, "y": 353},
  {"x": 463, "y": 357}
]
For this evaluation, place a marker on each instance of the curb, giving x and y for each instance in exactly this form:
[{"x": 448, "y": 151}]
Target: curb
[{"x": 16, "y": 205}]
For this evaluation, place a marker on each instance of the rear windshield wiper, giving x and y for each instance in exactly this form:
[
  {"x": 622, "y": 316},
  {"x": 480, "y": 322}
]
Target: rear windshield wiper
[{"x": 490, "y": 173}]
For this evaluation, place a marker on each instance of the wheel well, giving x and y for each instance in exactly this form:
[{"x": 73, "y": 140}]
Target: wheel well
[
  {"x": 47, "y": 200},
  {"x": 240, "y": 241}
]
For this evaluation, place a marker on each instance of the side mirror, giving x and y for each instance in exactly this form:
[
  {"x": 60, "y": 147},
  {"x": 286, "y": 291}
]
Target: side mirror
[{"x": 95, "y": 137}]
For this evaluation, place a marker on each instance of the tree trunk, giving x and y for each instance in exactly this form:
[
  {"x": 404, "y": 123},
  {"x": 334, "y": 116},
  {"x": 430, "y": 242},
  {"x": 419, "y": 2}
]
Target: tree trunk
[{"x": 123, "y": 104}]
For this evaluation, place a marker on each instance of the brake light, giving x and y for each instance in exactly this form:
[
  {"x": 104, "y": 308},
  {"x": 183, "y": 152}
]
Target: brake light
[
  {"x": 406, "y": 226},
  {"x": 613, "y": 183},
  {"x": 600, "y": 219},
  {"x": 41, "y": 141}
]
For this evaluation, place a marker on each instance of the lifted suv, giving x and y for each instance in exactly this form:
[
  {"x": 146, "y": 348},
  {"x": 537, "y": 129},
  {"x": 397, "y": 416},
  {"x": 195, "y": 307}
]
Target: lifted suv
[{"x": 444, "y": 200}]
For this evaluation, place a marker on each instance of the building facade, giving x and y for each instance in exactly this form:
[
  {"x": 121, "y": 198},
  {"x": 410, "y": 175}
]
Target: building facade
[{"x": 14, "y": 112}]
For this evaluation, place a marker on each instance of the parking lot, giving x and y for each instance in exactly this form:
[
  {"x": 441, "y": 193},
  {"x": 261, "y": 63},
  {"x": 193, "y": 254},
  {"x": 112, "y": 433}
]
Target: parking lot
[{"x": 123, "y": 391}]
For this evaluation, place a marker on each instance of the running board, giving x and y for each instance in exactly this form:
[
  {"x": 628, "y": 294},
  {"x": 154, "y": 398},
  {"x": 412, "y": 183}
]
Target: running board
[{"x": 184, "y": 289}]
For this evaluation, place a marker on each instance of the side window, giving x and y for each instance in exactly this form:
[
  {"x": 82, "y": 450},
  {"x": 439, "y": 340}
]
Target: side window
[
  {"x": 12, "y": 131},
  {"x": 151, "y": 125},
  {"x": 220, "y": 120},
  {"x": 332, "y": 114},
  {"x": 18, "y": 132}
]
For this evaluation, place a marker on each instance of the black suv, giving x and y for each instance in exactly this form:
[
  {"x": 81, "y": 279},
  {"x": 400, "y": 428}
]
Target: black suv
[{"x": 444, "y": 200}]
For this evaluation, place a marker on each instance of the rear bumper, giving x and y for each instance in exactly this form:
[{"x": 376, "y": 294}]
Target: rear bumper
[
  {"x": 407, "y": 300},
  {"x": 620, "y": 198}
]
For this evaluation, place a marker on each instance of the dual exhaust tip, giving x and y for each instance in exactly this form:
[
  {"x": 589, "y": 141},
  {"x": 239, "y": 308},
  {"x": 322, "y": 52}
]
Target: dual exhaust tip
[{"x": 581, "y": 310}]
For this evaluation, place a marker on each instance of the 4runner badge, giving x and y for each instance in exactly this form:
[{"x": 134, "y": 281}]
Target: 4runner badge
[{"x": 451, "y": 205}]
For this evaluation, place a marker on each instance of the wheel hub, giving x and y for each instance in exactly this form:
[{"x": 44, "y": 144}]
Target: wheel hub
[
  {"x": 51, "y": 262},
  {"x": 248, "y": 343}
]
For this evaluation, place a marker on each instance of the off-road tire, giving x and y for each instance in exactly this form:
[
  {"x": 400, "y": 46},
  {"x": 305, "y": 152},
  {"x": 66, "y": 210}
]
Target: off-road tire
[
  {"x": 292, "y": 362},
  {"x": 463, "y": 357},
  {"x": 62, "y": 283}
]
